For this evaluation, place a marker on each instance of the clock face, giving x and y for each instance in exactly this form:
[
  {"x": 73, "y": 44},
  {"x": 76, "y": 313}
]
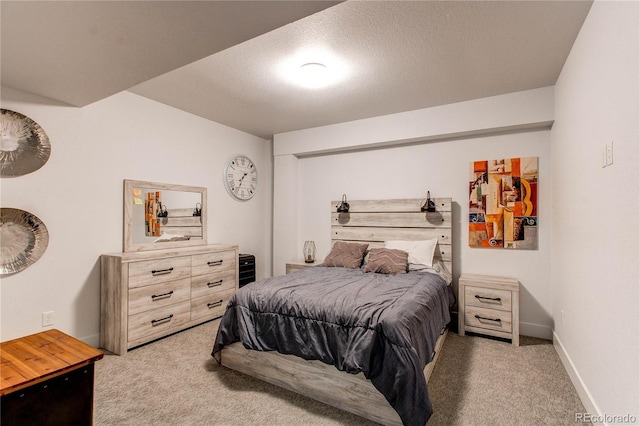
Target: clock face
[{"x": 240, "y": 177}]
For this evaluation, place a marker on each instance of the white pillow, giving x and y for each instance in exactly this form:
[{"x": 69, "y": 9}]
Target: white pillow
[
  {"x": 439, "y": 268},
  {"x": 420, "y": 252}
]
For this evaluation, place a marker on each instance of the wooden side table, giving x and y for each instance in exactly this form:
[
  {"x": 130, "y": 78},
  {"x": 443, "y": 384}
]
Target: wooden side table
[
  {"x": 296, "y": 265},
  {"x": 47, "y": 378},
  {"x": 489, "y": 305}
]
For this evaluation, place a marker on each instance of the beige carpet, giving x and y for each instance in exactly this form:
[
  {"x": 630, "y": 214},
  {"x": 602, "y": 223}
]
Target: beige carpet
[{"x": 477, "y": 381}]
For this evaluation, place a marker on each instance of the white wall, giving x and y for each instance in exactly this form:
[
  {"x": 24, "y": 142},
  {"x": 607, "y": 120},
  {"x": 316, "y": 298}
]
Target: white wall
[
  {"x": 596, "y": 211},
  {"x": 78, "y": 195},
  {"x": 367, "y": 170}
]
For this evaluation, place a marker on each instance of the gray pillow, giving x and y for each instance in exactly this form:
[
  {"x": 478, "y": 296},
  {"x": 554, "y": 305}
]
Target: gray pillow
[
  {"x": 387, "y": 261},
  {"x": 346, "y": 255}
]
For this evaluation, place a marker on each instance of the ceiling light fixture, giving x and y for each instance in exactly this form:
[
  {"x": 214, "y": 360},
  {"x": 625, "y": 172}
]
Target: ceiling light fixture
[
  {"x": 313, "y": 68},
  {"x": 314, "y": 75}
]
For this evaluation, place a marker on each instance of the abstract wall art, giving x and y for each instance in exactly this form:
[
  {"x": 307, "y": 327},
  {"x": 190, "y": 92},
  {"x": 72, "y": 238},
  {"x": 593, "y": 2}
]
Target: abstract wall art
[{"x": 503, "y": 203}]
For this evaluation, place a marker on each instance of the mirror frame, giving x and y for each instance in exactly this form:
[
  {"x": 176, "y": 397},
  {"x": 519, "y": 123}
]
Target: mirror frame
[{"x": 129, "y": 246}]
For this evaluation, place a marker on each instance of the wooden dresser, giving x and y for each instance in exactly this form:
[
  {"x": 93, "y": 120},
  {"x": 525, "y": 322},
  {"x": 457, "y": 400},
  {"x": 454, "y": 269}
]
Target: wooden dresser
[
  {"x": 489, "y": 305},
  {"x": 151, "y": 294}
]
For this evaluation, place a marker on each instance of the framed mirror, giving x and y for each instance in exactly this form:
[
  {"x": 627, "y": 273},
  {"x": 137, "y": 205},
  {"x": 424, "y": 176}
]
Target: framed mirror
[{"x": 161, "y": 215}]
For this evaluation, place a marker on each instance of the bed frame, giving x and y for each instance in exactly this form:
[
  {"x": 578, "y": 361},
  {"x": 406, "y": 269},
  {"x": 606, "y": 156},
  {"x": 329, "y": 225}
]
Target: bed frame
[{"x": 372, "y": 221}]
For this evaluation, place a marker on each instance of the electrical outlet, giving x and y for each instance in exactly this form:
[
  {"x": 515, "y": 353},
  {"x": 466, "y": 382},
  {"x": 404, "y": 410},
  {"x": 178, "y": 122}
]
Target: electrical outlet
[{"x": 47, "y": 318}]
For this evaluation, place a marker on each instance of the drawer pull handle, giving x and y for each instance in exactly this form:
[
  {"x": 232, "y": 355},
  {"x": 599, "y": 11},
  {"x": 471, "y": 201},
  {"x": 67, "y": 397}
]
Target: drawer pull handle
[
  {"x": 215, "y": 263},
  {"x": 479, "y": 318},
  {"x": 161, "y": 320},
  {"x": 155, "y": 297},
  {"x": 215, "y": 283},
  {"x": 481, "y": 298},
  {"x": 161, "y": 271},
  {"x": 214, "y": 304}
]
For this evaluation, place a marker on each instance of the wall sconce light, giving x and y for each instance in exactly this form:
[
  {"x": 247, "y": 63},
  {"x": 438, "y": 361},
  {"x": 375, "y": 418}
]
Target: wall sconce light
[
  {"x": 429, "y": 205},
  {"x": 162, "y": 211},
  {"x": 309, "y": 251},
  {"x": 343, "y": 207},
  {"x": 163, "y": 214}
]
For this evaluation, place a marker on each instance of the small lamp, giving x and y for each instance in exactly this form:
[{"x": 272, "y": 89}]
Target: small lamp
[
  {"x": 429, "y": 205},
  {"x": 343, "y": 207},
  {"x": 309, "y": 252}
]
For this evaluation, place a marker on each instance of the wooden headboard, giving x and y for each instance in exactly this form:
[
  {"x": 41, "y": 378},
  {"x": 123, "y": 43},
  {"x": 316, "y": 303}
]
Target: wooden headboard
[{"x": 377, "y": 221}]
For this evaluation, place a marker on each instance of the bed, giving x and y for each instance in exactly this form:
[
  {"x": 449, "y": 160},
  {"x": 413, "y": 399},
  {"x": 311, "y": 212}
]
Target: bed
[{"x": 353, "y": 337}]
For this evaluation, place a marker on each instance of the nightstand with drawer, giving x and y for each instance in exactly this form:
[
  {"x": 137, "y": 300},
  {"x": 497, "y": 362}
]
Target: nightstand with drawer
[
  {"x": 489, "y": 305},
  {"x": 297, "y": 265}
]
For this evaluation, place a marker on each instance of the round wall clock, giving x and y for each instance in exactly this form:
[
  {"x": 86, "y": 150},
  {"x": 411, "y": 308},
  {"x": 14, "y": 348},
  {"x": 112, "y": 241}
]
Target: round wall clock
[{"x": 240, "y": 177}]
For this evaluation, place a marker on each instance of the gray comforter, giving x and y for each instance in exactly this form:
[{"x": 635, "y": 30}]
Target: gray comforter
[{"x": 383, "y": 325}]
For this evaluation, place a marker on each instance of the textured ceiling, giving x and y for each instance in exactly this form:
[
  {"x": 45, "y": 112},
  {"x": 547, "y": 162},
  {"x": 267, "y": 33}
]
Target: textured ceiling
[
  {"x": 398, "y": 56},
  {"x": 79, "y": 52}
]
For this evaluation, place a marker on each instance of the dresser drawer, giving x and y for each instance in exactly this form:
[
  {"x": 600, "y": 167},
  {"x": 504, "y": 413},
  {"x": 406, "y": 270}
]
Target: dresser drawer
[
  {"x": 210, "y": 306},
  {"x": 156, "y": 296},
  {"x": 204, "y": 285},
  {"x": 203, "y": 264},
  {"x": 158, "y": 271},
  {"x": 487, "y": 298},
  {"x": 157, "y": 321},
  {"x": 489, "y": 319}
]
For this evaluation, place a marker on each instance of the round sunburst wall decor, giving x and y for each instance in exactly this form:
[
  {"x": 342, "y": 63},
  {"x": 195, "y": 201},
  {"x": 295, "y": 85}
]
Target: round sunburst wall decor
[
  {"x": 24, "y": 145},
  {"x": 23, "y": 240}
]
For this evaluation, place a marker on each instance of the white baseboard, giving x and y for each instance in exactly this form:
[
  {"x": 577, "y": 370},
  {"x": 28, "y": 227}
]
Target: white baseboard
[
  {"x": 584, "y": 394},
  {"x": 536, "y": 330}
]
